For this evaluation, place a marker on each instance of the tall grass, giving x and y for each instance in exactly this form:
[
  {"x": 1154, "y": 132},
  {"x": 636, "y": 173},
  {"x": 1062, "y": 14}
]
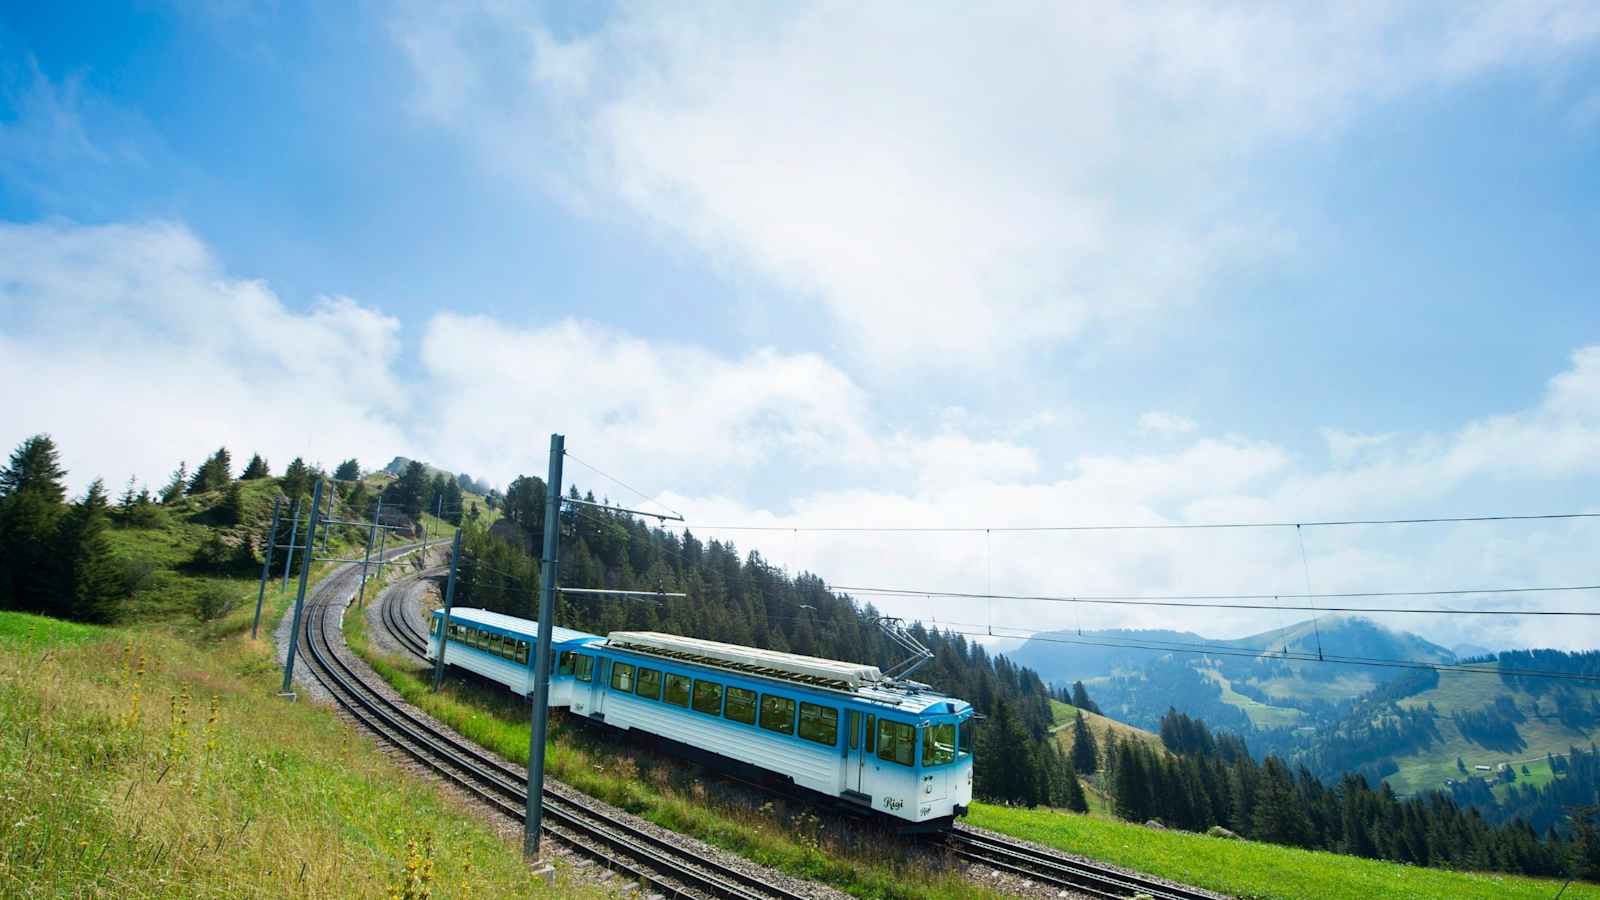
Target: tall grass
[{"x": 138, "y": 763}]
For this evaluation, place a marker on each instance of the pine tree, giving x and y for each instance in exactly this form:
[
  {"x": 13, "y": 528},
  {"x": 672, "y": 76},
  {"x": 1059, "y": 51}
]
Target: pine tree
[
  {"x": 256, "y": 468},
  {"x": 410, "y": 490},
  {"x": 452, "y": 502},
  {"x": 349, "y": 470},
  {"x": 297, "y": 479},
  {"x": 31, "y": 508},
  {"x": 1076, "y": 799},
  {"x": 233, "y": 510},
  {"x": 90, "y": 586},
  {"x": 214, "y": 474},
  {"x": 1080, "y": 698},
  {"x": 176, "y": 484},
  {"x": 1084, "y": 756}
]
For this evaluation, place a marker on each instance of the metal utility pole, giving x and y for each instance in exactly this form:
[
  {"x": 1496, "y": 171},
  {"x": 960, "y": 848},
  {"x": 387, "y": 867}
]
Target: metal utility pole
[
  {"x": 541, "y": 668},
  {"x": 372, "y": 535},
  {"x": 449, "y": 601},
  {"x": 266, "y": 564},
  {"x": 383, "y": 540},
  {"x": 300, "y": 599},
  {"x": 294, "y": 531}
]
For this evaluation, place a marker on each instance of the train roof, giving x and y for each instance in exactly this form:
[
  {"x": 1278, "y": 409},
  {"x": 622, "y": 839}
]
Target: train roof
[
  {"x": 792, "y": 666},
  {"x": 558, "y": 635}
]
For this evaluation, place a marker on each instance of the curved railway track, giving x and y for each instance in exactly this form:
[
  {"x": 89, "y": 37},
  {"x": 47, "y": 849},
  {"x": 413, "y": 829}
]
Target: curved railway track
[
  {"x": 1030, "y": 862},
  {"x": 622, "y": 847},
  {"x": 1016, "y": 858}
]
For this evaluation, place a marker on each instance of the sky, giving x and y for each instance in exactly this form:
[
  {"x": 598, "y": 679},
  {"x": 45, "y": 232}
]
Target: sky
[{"x": 827, "y": 265}]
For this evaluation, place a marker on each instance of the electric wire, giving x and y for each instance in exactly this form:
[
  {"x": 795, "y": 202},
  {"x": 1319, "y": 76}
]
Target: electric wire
[
  {"x": 1153, "y": 526},
  {"x": 1217, "y": 601},
  {"x": 641, "y": 494}
]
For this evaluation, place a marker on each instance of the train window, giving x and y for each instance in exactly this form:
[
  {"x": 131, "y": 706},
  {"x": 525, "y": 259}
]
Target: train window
[
  {"x": 583, "y": 667},
  {"x": 853, "y": 729},
  {"x": 964, "y": 743},
  {"x": 522, "y": 653},
  {"x": 897, "y": 742},
  {"x": 567, "y": 662},
  {"x": 872, "y": 732},
  {"x": 819, "y": 723},
  {"x": 649, "y": 684},
  {"x": 622, "y": 677},
  {"x": 677, "y": 689},
  {"x": 938, "y": 744},
  {"x": 777, "y": 714},
  {"x": 433, "y": 626},
  {"x": 708, "y": 697},
  {"x": 741, "y": 705}
]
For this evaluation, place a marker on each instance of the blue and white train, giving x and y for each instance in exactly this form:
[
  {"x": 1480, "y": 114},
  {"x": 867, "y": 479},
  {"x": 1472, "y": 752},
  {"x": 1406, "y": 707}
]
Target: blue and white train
[{"x": 841, "y": 729}]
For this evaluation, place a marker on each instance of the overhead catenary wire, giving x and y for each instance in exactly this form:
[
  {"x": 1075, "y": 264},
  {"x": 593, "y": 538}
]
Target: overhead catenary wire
[
  {"x": 640, "y": 494},
  {"x": 1222, "y": 601},
  {"x": 1151, "y": 526}
]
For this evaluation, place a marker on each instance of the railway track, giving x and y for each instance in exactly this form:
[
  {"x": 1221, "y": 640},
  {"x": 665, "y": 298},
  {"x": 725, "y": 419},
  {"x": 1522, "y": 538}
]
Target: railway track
[
  {"x": 1013, "y": 857},
  {"x": 622, "y": 847},
  {"x": 1059, "y": 871}
]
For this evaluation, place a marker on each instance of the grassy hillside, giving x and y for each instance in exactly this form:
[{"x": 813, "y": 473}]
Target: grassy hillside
[
  {"x": 1259, "y": 871},
  {"x": 1543, "y": 734},
  {"x": 156, "y": 760}
]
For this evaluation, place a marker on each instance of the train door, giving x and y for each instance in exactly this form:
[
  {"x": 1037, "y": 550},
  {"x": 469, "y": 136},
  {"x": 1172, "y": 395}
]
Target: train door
[{"x": 859, "y": 728}]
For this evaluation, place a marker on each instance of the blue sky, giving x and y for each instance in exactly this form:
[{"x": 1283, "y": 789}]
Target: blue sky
[{"x": 1044, "y": 265}]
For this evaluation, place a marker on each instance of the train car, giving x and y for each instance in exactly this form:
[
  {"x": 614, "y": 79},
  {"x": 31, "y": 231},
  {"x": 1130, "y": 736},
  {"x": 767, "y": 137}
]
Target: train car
[{"x": 894, "y": 747}]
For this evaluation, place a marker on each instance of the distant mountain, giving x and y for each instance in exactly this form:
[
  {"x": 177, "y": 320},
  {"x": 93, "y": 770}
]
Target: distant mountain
[
  {"x": 1469, "y": 651},
  {"x": 397, "y": 467},
  {"x": 1063, "y": 657},
  {"x": 1244, "y": 683}
]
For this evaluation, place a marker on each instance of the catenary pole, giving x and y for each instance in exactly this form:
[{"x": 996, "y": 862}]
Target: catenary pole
[
  {"x": 383, "y": 541},
  {"x": 294, "y": 532},
  {"x": 541, "y": 678},
  {"x": 266, "y": 564},
  {"x": 449, "y": 601},
  {"x": 372, "y": 534},
  {"x": 300, "y": 599}
]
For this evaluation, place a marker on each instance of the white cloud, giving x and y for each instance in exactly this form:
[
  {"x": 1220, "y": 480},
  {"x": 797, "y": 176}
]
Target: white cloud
[
  {"x": 1344, "y": 446},
  {"x": 1165, "y": 424},
  {"x": 135, "y": 348},
  {"x": 951, "y": 188}
]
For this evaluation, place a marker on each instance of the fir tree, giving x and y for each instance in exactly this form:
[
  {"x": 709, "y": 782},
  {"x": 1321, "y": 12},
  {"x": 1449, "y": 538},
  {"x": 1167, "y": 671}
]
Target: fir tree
[
  {"x": 1076, "y": 799},
  {"x": 233, "y": 509},
  {"x": 1080, "y": 698},
  {"x": 31, "y": 508},
  {"x": 214, "y": 474},
  {"x": 176, "y": 484},
  {"x": 349, "y": 470},
  {"x": 256, "y": 468},
  {"x": 90, "y": 586},
  {"x": 297, "y": 479},
  {"x": 1084, "y": 756}
]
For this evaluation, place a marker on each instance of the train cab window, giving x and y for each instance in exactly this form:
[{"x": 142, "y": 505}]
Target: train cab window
[
  {"x": 819, "y": 723},
  {"x": 741, "y": 706},
  {"x": 897, "y": 742},
  {"x": 964, "y": 743},
  {"x": 938, "y": 744},
  {"x": 872, "y": 733},
  {"x": 522, "y": 653},
  {"x": 708, "y": 697},
  {"x": 677, "y": 689},
  {"x": 583, "y": 668},
  {"x": 568, "y": 659},
  {"x": 622, "y": 677},
  {"x": 649, "y": 684},
  {"x": 777, "y": 714}
]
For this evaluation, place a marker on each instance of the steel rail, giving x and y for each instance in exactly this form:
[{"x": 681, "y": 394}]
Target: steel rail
[
  {"x": 1061, "y": 871},
  {"x": 502, "y": 787}
]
